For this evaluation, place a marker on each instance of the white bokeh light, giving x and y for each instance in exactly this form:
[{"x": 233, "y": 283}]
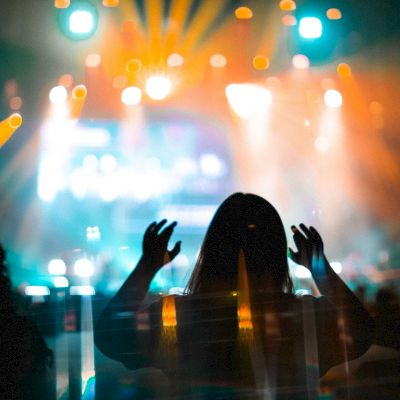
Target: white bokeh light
[
  {"x": 81, "y": 22},
  {"x": 158, "y": 87},
  {"x": 310, "y": 28},
  {"x": 131, "y": 96},
  {"x": 84, "y": 267},
  {"x": 333, "y": 98},
  {"x": 56, "y": 267},
  {"x": 58, "y": 94}
]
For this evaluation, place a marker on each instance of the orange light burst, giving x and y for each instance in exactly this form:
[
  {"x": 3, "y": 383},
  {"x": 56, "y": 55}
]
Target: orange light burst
[
  {"x": 168, "y": 312},
  {"x": 260, "y": 62},
  {"x": 334, "y": 13},
  {"x": 243, "y": 13},
  {"x": 8, "y": 127},
  {"x": 287, "y": 5}
]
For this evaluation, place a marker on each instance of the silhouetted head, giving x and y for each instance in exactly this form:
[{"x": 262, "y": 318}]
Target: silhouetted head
[
  {"x": 6, "y": 305},
  {"x": 247, "y": 222}
]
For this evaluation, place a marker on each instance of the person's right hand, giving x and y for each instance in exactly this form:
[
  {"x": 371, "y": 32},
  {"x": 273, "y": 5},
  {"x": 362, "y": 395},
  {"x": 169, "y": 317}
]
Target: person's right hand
[{"x": 310, "y": 248}]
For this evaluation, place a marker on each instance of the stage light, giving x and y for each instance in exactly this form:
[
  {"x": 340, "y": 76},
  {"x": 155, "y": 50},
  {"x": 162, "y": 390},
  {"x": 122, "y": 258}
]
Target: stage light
[
  {"x": 110, "y": 3},
  {"x": 211, "y": 165},
  {"x": 60, "y": 282},
  {"x": 248, "y": 100},
  {"x": 333, "y": 98},
  {"x": 8, "y": 126},
  {"x": 131, "y": 96},
  {"x": 218, "y": 61},
  {"x": 300, "y": 61},
  {"x": 82, "y": 290},
  {"x": 93, "y": 60},
  {"x": 334, "y": 13},
  {"x": 37, "y": 291},
  {"x": 66, "y": 80},
  {"x": 175, "y": 60},
  {"x": 310, "y": 28},
  {"x": 81, "y": 22},
  {"x": 344, "y": 70},
  {"x": 158, "y": 87},
  {"x": 260, "y": 62},
  {"x": 58, "y": 94},
  {"x": 133, "y": 65},
  {"x": 84, "y": 267},
  {"x": 56, "y": 267},
  {"x": 79, "y": 92},
  {"x": 243, "y": 13},
  {"x": 62, "y": 3},
  {"x": 336, "y": 266},
  {"x": 15, "y": 103},
  {"x": 302, "y": 272},
  {"x": 287, "y": 5}
]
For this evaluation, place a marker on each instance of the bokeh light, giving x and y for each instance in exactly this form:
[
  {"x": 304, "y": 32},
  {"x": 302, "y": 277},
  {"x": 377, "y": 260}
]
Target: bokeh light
[
  {"x": 243, "y": 13},
  {"x": 287, "y": 5},
  {"x": 93, "y": 60},
  {"x": 158, "y": 87},
  {"x": 321, "y": 144},
  {"x": 175, "y": 60},
  {"x": 62, "y": 3},
  {"x": 60, "y": 282},
  {"x": 334, "y": 14},
  {"x": 81, "y": 21},
  {"x": 131, "y": 96},
  {"x": 260, "y": 62},
  {"x": 218, "y": 61},
  {"x": 84, "y": 267},
  {"x": 310, "y": 28},
  {"x": 15, "y": 103},
  {"x": 66, "y": 80},
  {"x": 133, "y": 65},
  {"x": 15, "y": 120},
  {"x": 300, "y": 61},
  {"x": 58, "y": 94},
  {"x": 110, "y": 3},
  {"x": 57, "y": 267},
  {"x": 289, "y": 20},
  {"x": 79, "y": 92},
  {"x": 333, "y": 98},
  {"x": 344, "y": 70}
]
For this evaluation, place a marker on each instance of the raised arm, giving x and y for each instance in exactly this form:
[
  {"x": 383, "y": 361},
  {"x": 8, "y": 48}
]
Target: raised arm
[
  {"x": 354, "y": 322},
  {"x": 114, "y": 327}
]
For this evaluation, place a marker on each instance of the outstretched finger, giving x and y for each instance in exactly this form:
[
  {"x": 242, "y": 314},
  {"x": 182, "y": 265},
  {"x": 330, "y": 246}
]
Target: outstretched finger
[
  {"x": 298, "y": 237},
  {"x": 149, "y": 228},
  {"x": 159, "y": 226},
  {"x": 175, "y": 251},
  {"x": 167, "y": 232},
  {"x": 293, "y": 255},
  {"x": 305, "y": 230}
]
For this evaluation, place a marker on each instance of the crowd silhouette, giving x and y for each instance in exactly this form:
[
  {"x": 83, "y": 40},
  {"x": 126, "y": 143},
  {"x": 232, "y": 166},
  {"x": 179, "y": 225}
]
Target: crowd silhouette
[{"x": 237, "y": 332}]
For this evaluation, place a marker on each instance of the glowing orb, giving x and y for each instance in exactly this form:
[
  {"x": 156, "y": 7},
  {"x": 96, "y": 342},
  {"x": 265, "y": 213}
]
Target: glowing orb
[
  {"x": 334, "y": 13},
  {"x": 333, "y": 98},
  {"x": 15, "y": 103},
  {"x": 62, "y": 3},
  {"x": 260, "y": 62},
  {"x": 289, "y": 20},
  {"x": 110, "y": 3},
  {"x": 15, "y": 120},
  {"x": 60, "y": 282},
  {"x": 344, "y": 70},
  {"x": 84, "y": 268},
  {"x": 287, "y": 5},
  {"x": 158, "y": 87},
  {"x": 93, "y": 60},
  {"x": 56, "y": 267},
  {"x": 79, "y": 92},
  {"x": 58, "y": 94},
  {"x": 310, "y": 28},
  {"x": 133, "y": 65},
  {"x": 300, "y": 61},
  {"x": 81, "y": 22},
  {"x": 131, "y": 96},
  {"x": 175, "y": 60},
  {"x": 243, "y": 13},
  {"x": 218, "y": 61}
]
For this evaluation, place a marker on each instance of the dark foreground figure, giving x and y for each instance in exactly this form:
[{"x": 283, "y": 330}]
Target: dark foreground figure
[
  {"x": 24, "y": 356},
  {"x": 239, "y": 332}
]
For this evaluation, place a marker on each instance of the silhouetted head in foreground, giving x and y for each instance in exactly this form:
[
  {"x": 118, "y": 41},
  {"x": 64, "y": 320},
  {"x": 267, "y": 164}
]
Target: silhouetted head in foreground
[{"x": 247, "y": 222}]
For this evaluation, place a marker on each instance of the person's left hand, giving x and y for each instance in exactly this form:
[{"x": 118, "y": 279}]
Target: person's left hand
[{"x": 155, "y": 245}]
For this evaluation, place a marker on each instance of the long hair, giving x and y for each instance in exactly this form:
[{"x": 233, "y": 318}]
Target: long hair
[{"x": 243, "y": 222}]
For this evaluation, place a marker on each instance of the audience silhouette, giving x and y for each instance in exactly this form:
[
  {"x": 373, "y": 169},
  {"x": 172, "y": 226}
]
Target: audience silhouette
[
  {"x": 238, "y": 331},
  {"x": 24, "y": 355}
]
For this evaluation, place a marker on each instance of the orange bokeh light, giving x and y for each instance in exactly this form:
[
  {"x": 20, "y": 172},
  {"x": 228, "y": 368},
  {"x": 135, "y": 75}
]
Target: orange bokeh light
[
  {"x": 110, "y": 3},
  {"x": 287, "y": 5},
  {"x": 15, "y": 120},
  {"x": 133, "y": 65},
  {"x": 79, "y": 92},
  {"x": 15, "y": 103},
  {"x": 334, "y": 13},
  {"x": 61, "y": 3},
  {"x": 344, "y": 70},
  {"x": 260, "y": 62},
  {"x": 289, "y": 20},
  {"x": 66, "y": 80},
  {"x": 243, "y": 13}
]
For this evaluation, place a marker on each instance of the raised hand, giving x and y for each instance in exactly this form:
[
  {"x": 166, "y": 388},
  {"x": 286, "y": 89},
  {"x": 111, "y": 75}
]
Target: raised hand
[
  {"x": 310, "y": 248},
  {"x": 155, "y": 245}
]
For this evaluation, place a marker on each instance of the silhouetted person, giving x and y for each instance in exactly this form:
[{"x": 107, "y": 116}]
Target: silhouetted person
[
  {"x": 24, "y": 355},
  {"x": 239, "y": 332}
]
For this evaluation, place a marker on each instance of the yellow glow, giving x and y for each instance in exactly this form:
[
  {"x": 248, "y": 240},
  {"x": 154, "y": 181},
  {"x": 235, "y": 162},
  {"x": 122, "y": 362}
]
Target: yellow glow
[
  {"x": 110, "y": 3},
  {"x": 260, "y": 62},
  {"x": 334, "y": 13},
  {"x": 244, "y": 311},
  {"x": 154, "y": 18},
  {"x": 79, "y": 92},
  {"x": 289, "y": 20},
  {"x": 133, "y": 65},
  {"x": 243, "y": 13},
  {"x": 168, "y": 312},
  {"x": 344, "y": 70},
  {"x": 61, "y": 3},
  {"x": 8, "y": 127},
  {"x": 287, "y": 5}
]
